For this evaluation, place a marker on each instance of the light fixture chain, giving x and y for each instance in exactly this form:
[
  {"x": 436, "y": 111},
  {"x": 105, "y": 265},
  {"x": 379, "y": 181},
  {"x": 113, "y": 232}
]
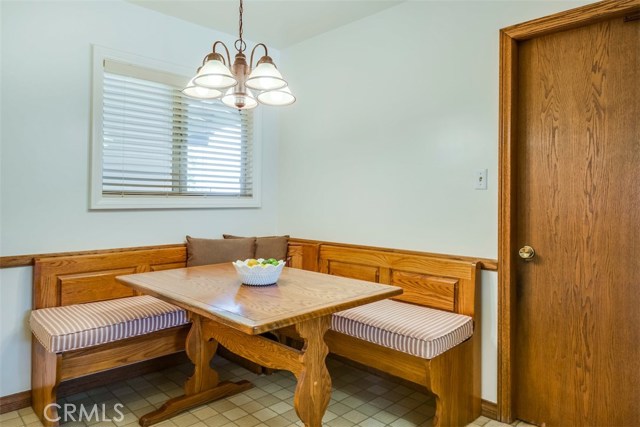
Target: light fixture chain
[{"x": 242, "y": 44}]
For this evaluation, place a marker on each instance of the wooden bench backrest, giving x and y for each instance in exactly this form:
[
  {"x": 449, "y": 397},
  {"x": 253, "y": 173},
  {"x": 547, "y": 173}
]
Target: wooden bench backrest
[
  {"x": 66, "y": 280},
  {"x": 437, "y": 282}
]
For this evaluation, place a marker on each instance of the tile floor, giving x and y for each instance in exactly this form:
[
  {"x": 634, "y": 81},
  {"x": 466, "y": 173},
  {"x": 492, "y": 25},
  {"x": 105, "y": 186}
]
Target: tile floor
[{"x": 358, "y": 399}]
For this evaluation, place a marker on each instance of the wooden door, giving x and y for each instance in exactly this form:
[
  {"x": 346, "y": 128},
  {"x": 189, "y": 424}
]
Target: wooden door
[{"x": 576, "y": 345}]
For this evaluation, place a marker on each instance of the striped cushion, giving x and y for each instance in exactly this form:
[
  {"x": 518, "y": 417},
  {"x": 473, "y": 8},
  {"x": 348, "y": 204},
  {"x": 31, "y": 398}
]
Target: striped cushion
[
  {"x": 84, "y": 325},
  {"x": 420, "y": 331}
]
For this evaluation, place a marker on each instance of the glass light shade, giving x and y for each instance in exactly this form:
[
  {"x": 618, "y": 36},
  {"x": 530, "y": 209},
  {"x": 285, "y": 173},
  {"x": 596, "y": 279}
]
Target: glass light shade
[
  {"x": 199, "y": 92},
  {"x": 215, "y": 75},
  {"x": 278, "y": 98},
  {"x": 235, "y": 98},
  {"x": 265, "y": 77}
]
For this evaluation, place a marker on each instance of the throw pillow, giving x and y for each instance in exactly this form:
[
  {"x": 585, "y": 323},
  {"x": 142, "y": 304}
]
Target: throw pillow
[
  {"x": 215, "y": 251},
  {"x": 268, "y": 247}
]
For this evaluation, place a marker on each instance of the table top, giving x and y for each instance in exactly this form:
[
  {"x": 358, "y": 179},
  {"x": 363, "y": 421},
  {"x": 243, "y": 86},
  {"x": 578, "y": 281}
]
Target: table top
[{"x": 216, "y": 292}]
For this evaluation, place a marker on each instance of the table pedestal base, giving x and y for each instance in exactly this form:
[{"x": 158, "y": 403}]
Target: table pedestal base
[
  {"x": 201, "y": 387},
  {"x": 313, "y": 390},
  {"x": 179, "y": 404},
  {"x": 312, "y": 393}
]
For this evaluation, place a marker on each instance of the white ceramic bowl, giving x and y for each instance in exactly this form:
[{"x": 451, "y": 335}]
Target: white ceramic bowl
[{"x": 258, "y": 275}]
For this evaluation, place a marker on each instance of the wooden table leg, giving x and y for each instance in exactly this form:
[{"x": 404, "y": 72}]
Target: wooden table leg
[
  {"x": 203, "y": 386},
  {"x": 313, "y": 391}
]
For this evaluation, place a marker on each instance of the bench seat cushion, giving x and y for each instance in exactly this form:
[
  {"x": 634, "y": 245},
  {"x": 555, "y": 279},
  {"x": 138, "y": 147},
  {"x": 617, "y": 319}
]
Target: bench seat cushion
[
  {"x": 71, "y": 327},
  {"x": 420, "y": 331}
]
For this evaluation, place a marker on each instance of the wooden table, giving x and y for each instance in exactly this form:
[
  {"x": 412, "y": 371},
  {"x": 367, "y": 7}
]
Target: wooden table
[{"x": 224, "y": 311}]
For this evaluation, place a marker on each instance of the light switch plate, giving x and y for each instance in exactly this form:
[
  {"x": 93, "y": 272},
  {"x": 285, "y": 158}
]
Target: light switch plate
[{"x": 481, "y": 179}]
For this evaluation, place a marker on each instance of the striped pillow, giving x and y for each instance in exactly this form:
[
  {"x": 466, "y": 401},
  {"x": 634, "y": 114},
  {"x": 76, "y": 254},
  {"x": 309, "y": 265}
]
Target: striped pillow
[
  {"x": 420, "y": 331},
  {"x": 77, "y": 326}
]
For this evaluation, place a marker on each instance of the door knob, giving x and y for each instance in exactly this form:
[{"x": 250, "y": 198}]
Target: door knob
[{"x": 527, "y": 253}]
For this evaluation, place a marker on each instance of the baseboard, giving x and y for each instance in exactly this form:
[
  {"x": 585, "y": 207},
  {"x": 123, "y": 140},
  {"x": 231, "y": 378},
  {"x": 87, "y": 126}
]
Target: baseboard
[
  {"x": 23, "y": 399},
  {"x": 489, "y": 409},
  {"x": 16, "y": 401}
]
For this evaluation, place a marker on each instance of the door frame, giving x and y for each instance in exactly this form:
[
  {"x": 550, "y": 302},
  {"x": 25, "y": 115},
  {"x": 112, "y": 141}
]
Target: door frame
[{"x": 510, "y": 37}]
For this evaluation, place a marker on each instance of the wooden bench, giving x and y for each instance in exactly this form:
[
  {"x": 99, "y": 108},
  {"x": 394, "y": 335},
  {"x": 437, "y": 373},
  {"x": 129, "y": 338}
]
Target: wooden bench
[
  {"x": 64, "y": 281},
  {"x": 442, "y": 283},
  {"x": 78, "y": 279},
  {"x": 430, "y": 281}
]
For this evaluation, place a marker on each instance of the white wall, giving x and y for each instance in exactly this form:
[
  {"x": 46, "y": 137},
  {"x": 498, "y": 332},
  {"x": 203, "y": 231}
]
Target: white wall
[
  {"x": 15, "y": 336},
  {"x": 394, "y": 114},
  {"x": 46, "y": 85}
]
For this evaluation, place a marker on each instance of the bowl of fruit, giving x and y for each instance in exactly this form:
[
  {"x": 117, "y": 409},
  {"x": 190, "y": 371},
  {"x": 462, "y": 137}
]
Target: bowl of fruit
[{"x": 259, "y": 272}]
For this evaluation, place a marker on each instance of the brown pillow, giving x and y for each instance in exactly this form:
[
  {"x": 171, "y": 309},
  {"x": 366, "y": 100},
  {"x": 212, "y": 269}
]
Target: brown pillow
[
  {"x": 215, "y": 251},
  {"x": 268, "y": 247}
]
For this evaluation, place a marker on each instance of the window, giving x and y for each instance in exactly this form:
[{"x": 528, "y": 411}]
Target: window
[{"x": 155, "y": 148}]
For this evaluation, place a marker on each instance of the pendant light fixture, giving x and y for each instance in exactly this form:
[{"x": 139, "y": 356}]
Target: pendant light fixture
[{"x": 235, "y": 86}]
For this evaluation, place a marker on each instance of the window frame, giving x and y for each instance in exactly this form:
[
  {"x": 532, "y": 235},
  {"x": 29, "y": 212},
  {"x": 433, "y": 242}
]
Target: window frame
[{"x": 98, "y": 201}]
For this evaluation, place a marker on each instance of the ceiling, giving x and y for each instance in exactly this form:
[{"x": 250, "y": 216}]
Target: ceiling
[{"x": 278, "y": 23}]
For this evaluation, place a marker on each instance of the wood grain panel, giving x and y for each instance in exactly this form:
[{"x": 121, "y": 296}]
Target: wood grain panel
[
  {"x": 465, "y": 273},
  {"x": 99, "y": 286},
  {"x": 295, "y": 256},
  {"x": 484, "y": 263},
  {"x": 309, "y": 250},
  {"x": 169, "y": 266},
  {"x": 256, "y": 348},
  {"x": 450, "y": 391},
  {"x": 124, "y": 352},
  {"x": 401, "y": 365},
  {"x": 506, "y": 212},
  {"x": 509, "y": 181},
  {"x": 313, "y": 391},
  {"x": 573, "y": 18},
  {"x": 304, "y": 254},
  {"x": 429, "y": 291},
  {"x": 354, "y": 271},
  {"x": 110, "y": 376},
  {"x": 29, "y": 259},
  {"x": 395, "y": 260},
  {"x": 45, "y": 378},
  {"x": 47, "y": 271},
  {"x": 579, "y": 208}
]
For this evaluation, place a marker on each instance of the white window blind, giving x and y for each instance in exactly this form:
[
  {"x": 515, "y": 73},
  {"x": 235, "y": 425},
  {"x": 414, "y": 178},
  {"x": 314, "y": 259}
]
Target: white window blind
[{"x": 157, "y": 143}]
